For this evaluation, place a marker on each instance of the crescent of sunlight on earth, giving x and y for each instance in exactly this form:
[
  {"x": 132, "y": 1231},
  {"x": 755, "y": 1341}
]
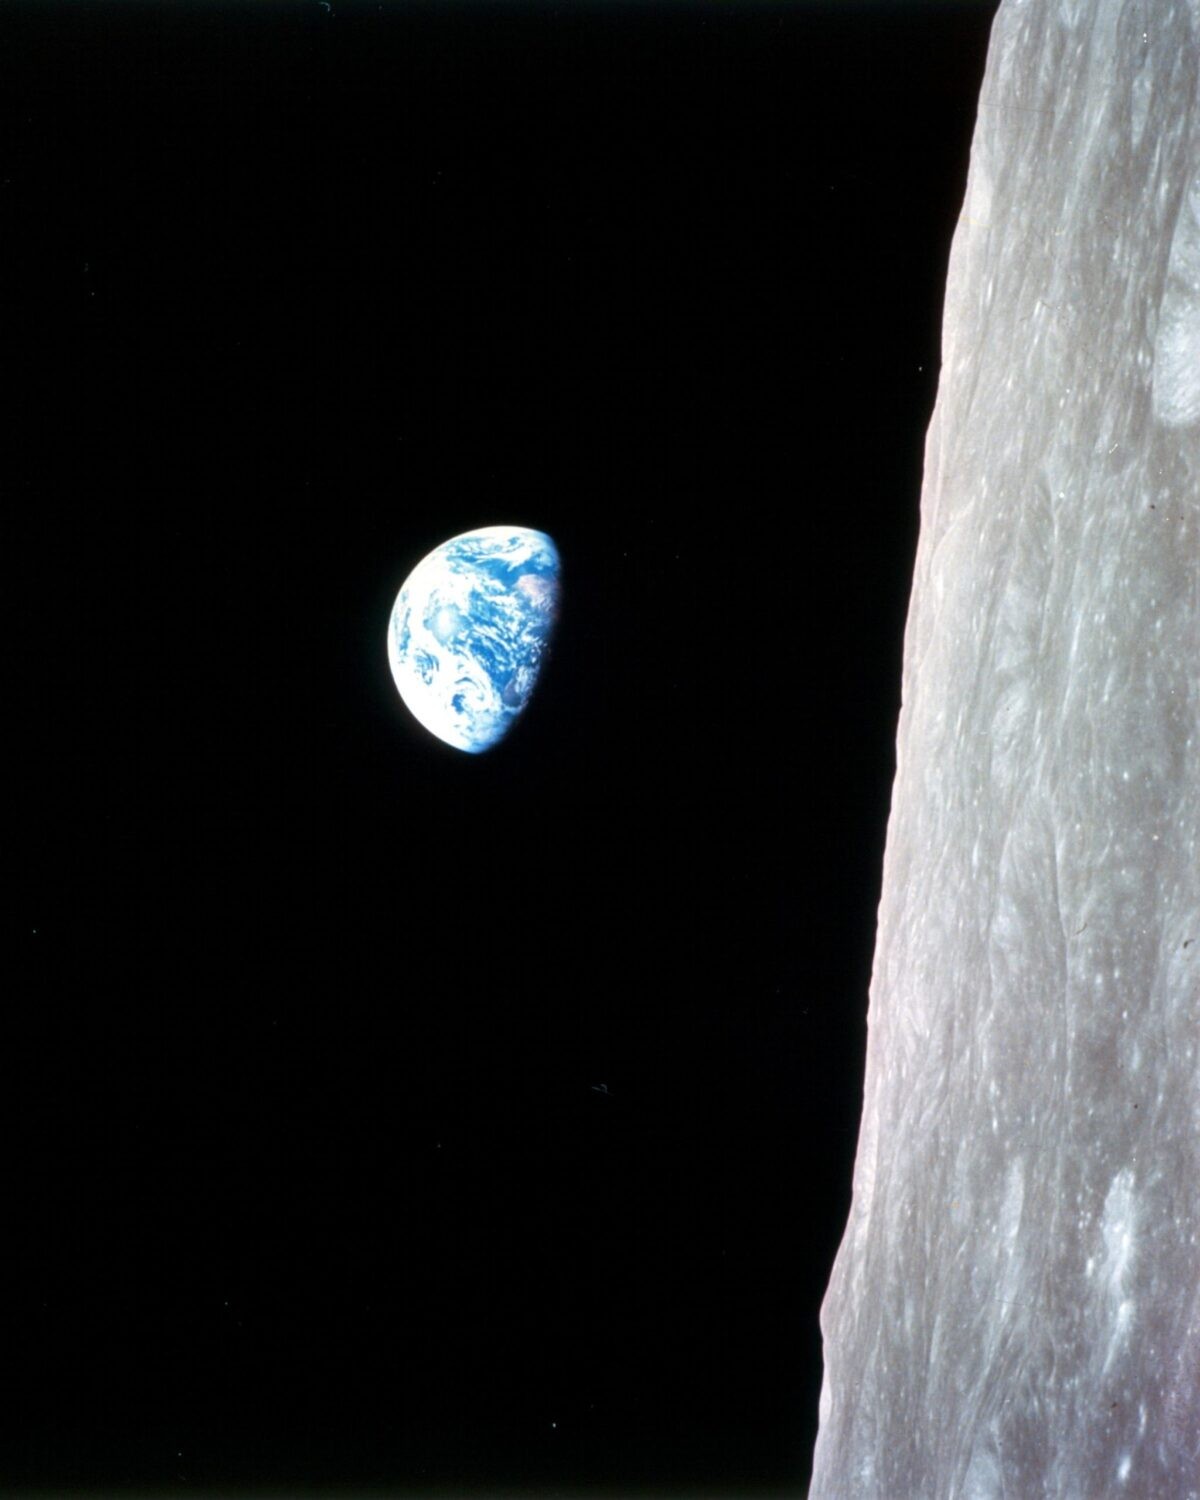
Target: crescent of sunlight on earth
[{"x": 470, "y": 630}]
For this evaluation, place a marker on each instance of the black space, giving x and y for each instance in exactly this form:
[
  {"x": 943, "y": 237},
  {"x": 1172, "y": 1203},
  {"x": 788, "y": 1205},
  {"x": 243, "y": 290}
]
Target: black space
[{"x": 309, "y": 1176}]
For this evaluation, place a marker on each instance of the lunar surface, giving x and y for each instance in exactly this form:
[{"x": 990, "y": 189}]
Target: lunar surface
[{"x": 1015, "y": 1307}]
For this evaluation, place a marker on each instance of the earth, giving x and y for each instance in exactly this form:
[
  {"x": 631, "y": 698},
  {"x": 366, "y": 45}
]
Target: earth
[{"x": 470, "y": 630}]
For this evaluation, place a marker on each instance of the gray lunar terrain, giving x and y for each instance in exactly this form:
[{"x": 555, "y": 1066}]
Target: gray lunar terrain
[{"x": 1015, "y": 1307}]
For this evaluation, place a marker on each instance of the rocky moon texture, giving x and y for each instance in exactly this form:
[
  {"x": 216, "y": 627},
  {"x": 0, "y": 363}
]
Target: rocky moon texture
[{"x": 1015, "y": 1307}]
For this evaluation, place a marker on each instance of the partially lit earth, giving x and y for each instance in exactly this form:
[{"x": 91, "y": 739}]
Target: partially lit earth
[{"x": 470, "y": 630}]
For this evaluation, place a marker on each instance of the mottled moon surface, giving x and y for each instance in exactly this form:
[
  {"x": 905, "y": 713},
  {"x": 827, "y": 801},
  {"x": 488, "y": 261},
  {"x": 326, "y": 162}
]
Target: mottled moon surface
[{"x": 470, "y": 629}]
